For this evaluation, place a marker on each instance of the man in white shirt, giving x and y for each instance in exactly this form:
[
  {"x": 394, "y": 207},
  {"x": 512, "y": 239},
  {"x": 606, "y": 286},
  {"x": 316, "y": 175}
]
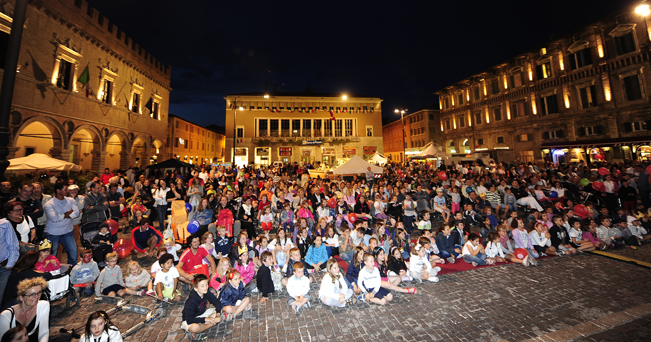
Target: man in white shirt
[{"x": 60, "y": 212}]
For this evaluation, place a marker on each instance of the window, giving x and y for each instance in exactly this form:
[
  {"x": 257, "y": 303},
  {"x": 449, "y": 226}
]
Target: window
[
  {"x": 4, "y": 40},
  {"x": 625, "y": 43},
  {"x": 636, "y": 126},
  {"x": 327, "y": 128},
  {"x": 480, "y": 141},
  {"x": 369, "y": 131},
  {"x": 135, "y": 103},
  {"x": 519, "y": 109},
  {"x": 240, "y": 132},
  {"x": 296, "y": 127},
  {"x": 475, "y": 92},
  {"x": 544, "y": 69},
  {"x": 446, "y": 103},
  {"x": 516, "y": 79},
  {"x": 523, "y": 137},
  {"x": 548, "y": 104},
  {"x": 580, "y": 59},
  {"x": 495, "y": 86},
  {"x": 497, "y": 114},
  {"x": 348, "y": 127},
  {"x": 317, "y": 128},
  {"x": 460, "y": 98},
  {"x": 462, "y": 121},
  {"x": 478, "y": 118},
  {"x": 338, "y": 130},
  {"x": 591, "y": 130},
  {"x": 284, "y": 128},
  {"x": 553, "y": 134},
  {"x": 203, "y": 146},
  {"x": 447, "y": 124},
  {"x": 500, "y": 140},
  {"x": 588, "y": 97},
  {"x": 65, "y": 75},
  {"x": 632, "y": 89},
  {"x": 155, "y": 111},
  {"x": 263, "y": 125},
  {"x": 107, "y": 91},
  {"x": 273, "y": 126},
  {"x": 307, "y": 128}
]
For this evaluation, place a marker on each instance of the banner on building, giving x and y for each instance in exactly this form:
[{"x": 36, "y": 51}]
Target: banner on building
[
  {"x": 312, "y": 142},
  {"x": 306, "y": 152},
  {"x": 349, "y": 151},
  {"x": 260, "y": 151},
  {"x": 370, "y": 149},
  {"x": 285, "y": 151},
  {"x": 328, "y": 151},
  {"x": 240, "y": 151}
]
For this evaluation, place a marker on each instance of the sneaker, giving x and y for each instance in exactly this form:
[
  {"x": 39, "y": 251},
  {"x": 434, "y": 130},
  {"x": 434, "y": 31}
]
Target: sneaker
[
  {"x": 407, "y": 278},
  {"x": 142, "y": 293},
  {"x": 533, "y": 261},
  {"x": 248, "y": 307},
  {"x": 296, "y": 309},
  {"x": 604, "y": 247},
  {"x": 151, "y": 293},
  {"x": 451, "y": 260},
  {"x": 474, "y": 264},
  {"x": 255, "y": 290},
  {"x": 543, "y": 254},
  {"x": 310, "y": 271},
  {"x": 361, "y": 298},
  {"x": 560, "y": 253},
  {"x": 490, "y": 262},
  {"x": 433, "y": 279},
  {"x": 308, "y": 305},
  {"x": 437, "y": 269}
]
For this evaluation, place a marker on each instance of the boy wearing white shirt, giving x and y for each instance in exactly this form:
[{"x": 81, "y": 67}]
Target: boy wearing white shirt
[{"x": 298, "y": 288}]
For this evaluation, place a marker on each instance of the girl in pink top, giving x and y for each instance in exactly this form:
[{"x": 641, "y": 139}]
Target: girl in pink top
[
  {"x": 47, "y": 262},
  {"x": 246, "y": 269}
]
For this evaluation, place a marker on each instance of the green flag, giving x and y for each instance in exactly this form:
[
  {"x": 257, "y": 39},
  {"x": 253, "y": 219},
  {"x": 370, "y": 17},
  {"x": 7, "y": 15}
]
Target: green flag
[{"x": 84, "y": 77}]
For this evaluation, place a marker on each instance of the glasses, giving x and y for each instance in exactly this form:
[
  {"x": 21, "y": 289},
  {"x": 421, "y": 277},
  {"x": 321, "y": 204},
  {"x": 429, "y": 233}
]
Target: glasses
[{"x": 33, "y": 295}]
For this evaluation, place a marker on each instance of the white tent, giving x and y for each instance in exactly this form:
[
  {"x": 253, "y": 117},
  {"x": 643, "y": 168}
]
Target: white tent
[
  {"x": 431, "y": 151},
  {"x": 378, "y": 158},
  {"x": 40, "y": 161},
  {"x": 355, "y": 166}
]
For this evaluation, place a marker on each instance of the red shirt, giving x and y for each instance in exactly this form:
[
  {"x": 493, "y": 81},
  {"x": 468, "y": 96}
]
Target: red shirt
[{"x": 190, "y": 260}]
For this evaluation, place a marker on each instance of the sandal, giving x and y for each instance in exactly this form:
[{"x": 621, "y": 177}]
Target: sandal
[{"x": 411, "y": 290}]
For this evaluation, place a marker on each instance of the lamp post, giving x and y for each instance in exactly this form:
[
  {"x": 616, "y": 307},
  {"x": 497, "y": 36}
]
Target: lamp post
[
  {"x": 644, "y": 10},
  {"x": 235, "y": 109},
  {"x": 402, "y": 118}
]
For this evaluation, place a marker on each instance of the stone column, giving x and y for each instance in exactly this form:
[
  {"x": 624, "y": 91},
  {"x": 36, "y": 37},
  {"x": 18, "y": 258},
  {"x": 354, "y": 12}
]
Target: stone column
[
  {"x": 12, "y": 152},
  {"x": 125, "y": 159},
  {"x": 98, "y": 160}
]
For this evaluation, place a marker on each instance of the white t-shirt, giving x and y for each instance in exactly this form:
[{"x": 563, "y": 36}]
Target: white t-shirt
[
  {"x": 166, "y": 278},
  {"x": 466, "y": 250},
  {"x": 155, "y": 267},
  {"x": 576, "y": 234}
]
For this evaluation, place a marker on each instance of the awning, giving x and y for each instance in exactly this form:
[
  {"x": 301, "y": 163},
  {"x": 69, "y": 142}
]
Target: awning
[{"x": 599, "y": 143}]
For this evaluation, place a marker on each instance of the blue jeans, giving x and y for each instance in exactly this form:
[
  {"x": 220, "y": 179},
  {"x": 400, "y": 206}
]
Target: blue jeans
[
  {"x": 68, "y": 242},
  {"x": 446, "y": 254},
  {"x": 533, "y": 253},
  {"x": 162, "y": 215},
  {"x": 347, "y": 257},
  {"x": 4, "y": 277},
  {"x": 479, "y": 258}
]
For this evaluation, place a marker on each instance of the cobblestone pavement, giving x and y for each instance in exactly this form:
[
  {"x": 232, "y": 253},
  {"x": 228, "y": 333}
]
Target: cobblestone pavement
[{"x": 508, "y": 302}]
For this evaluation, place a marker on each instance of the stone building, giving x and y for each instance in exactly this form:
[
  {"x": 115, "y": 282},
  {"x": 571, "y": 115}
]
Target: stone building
[
  {"x": 301, "y": 127},
  {"x": 85, "y": 91},
  {"x": 420, "y": 128},
  {"x": 194, "y": 144},
  {"x": 583, "y": 96}
]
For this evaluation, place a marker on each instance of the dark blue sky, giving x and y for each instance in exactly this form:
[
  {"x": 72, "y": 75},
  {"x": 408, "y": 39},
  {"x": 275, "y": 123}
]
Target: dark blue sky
[{"x": 400, "y": 51}]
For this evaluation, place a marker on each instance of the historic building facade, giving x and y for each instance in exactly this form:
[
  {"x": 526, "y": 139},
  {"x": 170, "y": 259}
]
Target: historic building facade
[
  {"x": 85, "y": 91},
  {"x": 583, "y": 96},
  {"x": 301, "y": 127},
  {"x": 393, "y": 141},
  {"x": 420, "y": 128},
  {"x": 194, "y": 144}
]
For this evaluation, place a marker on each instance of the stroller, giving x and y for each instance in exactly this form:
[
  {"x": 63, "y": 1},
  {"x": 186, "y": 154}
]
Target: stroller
[
  {"x": 88, "y": 231},
  {"x": 60, "y": 287}
]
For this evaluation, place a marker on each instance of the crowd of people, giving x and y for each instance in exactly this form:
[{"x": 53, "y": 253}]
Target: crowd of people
[{"x": 372, "y": 238}]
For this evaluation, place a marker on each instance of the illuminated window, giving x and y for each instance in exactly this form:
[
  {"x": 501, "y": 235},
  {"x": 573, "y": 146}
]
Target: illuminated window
[
  {"x": 544, "y": 69},
  {"x": 516, "y": 79},
  {"x": 549, "y": 104},
  {"x": 519, "y": 109},
  {"x": 462, "y": 121},
  {"x": 135, "y": 102},
  {"x": 107, "y": 91},
  {"x": 478, "y": 119},
  {"x": 553, "y": 134},
  {"x": 65, "y": 75}
]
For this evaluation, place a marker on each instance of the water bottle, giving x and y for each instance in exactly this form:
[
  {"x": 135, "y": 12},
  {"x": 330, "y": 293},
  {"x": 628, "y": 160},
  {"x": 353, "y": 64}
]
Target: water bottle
[{"x": 137, "y": 309}]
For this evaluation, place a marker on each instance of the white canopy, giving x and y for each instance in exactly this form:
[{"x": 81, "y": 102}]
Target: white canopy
[
  {"x": 378, "y": 158},
  {"x": 40, "y": 161},
  {"x": 356, "y": 165},
  {"x": 431, "y": 151}
]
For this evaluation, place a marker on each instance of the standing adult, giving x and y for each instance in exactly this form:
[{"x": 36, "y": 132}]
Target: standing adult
[
  {"x": 95, "y": 205},
  {"x": 370, "y": 177},
  {"x": 160, "y": 196},
  {"x": 115, "y": 199},
  {"x": 31, "y": 208},
  {"x": 23, "y": 226},
  {"x": 106, "y": 176},
  {"x": 60, "y": 212},
  {"x": 9, "y": 253},
  {"x": 73, "y": 192},
  {"x": 39, "y": 196}
]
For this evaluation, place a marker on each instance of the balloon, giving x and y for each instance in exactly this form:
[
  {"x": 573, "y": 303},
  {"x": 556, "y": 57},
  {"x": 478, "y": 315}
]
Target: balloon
[
  {"x": 520, "y": 253},
  {"x": 443, "y": 175},
  {"x": 599, "y": 186},
  {"x": 585, "y": 182},
  {"x": 581, "y": 210},
  {"x": 352, "y": 217},
  {"x": 113, "y": 226},
  {"x": 188, "y": 207},
  {"x": 648, "y": 169},
  {"x": 469, "y": 190},
  {"x": 553, "y": 194},
  {"x": 603, "y": 171},
  {"x": 332, "y": 203},
  {"x": 193, "y": 227},
  {"x": 123, "y": 248}
]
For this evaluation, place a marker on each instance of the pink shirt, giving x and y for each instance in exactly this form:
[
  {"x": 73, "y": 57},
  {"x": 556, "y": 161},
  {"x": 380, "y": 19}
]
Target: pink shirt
[{"x": 50, "y": 267}]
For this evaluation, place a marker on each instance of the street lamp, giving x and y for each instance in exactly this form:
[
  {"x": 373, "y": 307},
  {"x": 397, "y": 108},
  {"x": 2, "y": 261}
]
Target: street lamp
[
  {"x": 402, "y": 118},
  {"x": 235, "y": 109},
  {"x": 644, "y": 10}
]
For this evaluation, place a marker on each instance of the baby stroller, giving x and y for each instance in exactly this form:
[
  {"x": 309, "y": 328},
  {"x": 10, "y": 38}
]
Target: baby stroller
[
  {"x": 88, "y": 231},
  {"x": 60, "y": 287}
]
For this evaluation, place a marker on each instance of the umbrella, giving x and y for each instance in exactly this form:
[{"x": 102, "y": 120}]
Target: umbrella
[{"x": 40, "y": 161}]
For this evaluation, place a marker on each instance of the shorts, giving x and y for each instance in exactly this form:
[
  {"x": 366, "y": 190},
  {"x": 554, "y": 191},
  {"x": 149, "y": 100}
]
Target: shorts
[
  {"x": 170, "y": 292},
  {"x": 628, "y": 205},
  {"x": 381, "y": 293},
  {"x": 539, "y": 249},
  {"x": 113, "y": 288},
  {"x": 206, "y": 314}
]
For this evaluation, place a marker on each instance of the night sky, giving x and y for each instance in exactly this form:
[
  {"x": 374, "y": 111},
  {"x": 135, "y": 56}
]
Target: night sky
[{"x": 400, "y": 51}]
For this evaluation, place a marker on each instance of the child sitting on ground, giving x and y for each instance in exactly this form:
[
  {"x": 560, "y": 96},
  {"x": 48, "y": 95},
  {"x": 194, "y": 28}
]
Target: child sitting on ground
[
  {"x": 218, "y": 279},
  {"x": 473, "y": 251},
  {"x": 263, "y": 278},
  {"x": 233, "y": 296},
  {"x": 197, "y": 317},
  {"x": 369, "y": 282},
  {"x": 83, "y": 275},
  {"x": 317, "y": 255},
  {"x": 172, "y": 247},
  {"x": 288, "y": 271},
  {"x": 298, "y": 287},
  {"x": 222, "y": 243},
  {"x": 419, "y": 265},
  {"x": 245, "y": 266},
  {"x": 137, "y": 283},
  {"x": 99, "y": 328},
  {"x": 397, "y": 265},
  {"x": 110, "y": 282},
  {"x": 334, "y": 290},
  {"x": 167, "y": 280}
]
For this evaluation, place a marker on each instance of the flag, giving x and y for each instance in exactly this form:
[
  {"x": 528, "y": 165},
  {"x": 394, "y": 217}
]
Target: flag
[
  {"x": 84, "y": 77},
  {"x": 150, "y": 104}
]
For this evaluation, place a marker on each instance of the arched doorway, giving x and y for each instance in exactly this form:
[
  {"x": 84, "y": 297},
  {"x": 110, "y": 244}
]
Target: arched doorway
[
  {"x": 157, "y": 152},
  {"x": 449, "y": 146},
  {"x": 116, "y": 146},
  {"x": 85, "y": 148},
  {"x": 465, "y": 146},
  {"x": 39, "y": 135},
  {"x": 139, "y": 152}
]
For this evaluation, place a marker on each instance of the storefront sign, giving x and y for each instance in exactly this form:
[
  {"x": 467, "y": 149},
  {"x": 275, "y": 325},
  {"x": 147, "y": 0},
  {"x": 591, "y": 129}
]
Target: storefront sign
[
  {"x": 349, "y": 151},
  {"x": 369, "y": 149},
  {"x": 328, "y": 151},
  {"x": 240, "y": 151},
  {"x": 306, "y": 152},
  {"x": 312, "y": 142},
  {"x": 262, "y": 152},
  {"x": 285, "y": 151}
]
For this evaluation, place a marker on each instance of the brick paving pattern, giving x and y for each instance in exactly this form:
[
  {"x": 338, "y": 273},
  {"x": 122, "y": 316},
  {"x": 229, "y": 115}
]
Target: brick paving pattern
[{"x": 508, "y": 302}]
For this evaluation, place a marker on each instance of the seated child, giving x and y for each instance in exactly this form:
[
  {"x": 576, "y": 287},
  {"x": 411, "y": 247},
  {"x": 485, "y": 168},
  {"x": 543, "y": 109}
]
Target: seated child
[
  {"x": 298, "y": 287},
  {"x": 172, "y": 247},
  {"x": 99, "y": 328},
  {"x": 429, "y": 242},
  {"x": 576, "y": 236},
  {"x": 207, "y": 243},
  {"x": 317, "y": 255},
  {"x": 46, "y": 261},
  {"x": 167, "y": 279},
  {"x": 138, "y": 281},
  {"x": 397, "y": 265},
  {"x": 222, "y": 243},
  {"x": 473, "y": 251},
  {"x": 103, "y": 242},
  {"x": 288, "y": 271},
  {"x": 233, "y": 296},
  {"x": 83, "y": 275},
  {"x": 280, "y": 246},
  {"x": 424, "y": 223},
  {"x": 355, "y": 265},
  {"x": 245, "y": 266},
  {"x": 262, "y": 246},
  {"x": 263, "y": 278},
  {"x": 110, "y": 282},
  {"x": 218, "y": 279},
  {"x": 419, "y": 265},
  {"x": 303, "y": 242},
  {"x": 369, "y": 282},
  {"x": 334, "y": 291},
  {"x": 197, "y": 317}
]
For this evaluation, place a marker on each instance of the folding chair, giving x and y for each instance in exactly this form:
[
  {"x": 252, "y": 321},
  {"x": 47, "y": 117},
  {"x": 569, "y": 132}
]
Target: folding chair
[{"x": 178, "y": 227}]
